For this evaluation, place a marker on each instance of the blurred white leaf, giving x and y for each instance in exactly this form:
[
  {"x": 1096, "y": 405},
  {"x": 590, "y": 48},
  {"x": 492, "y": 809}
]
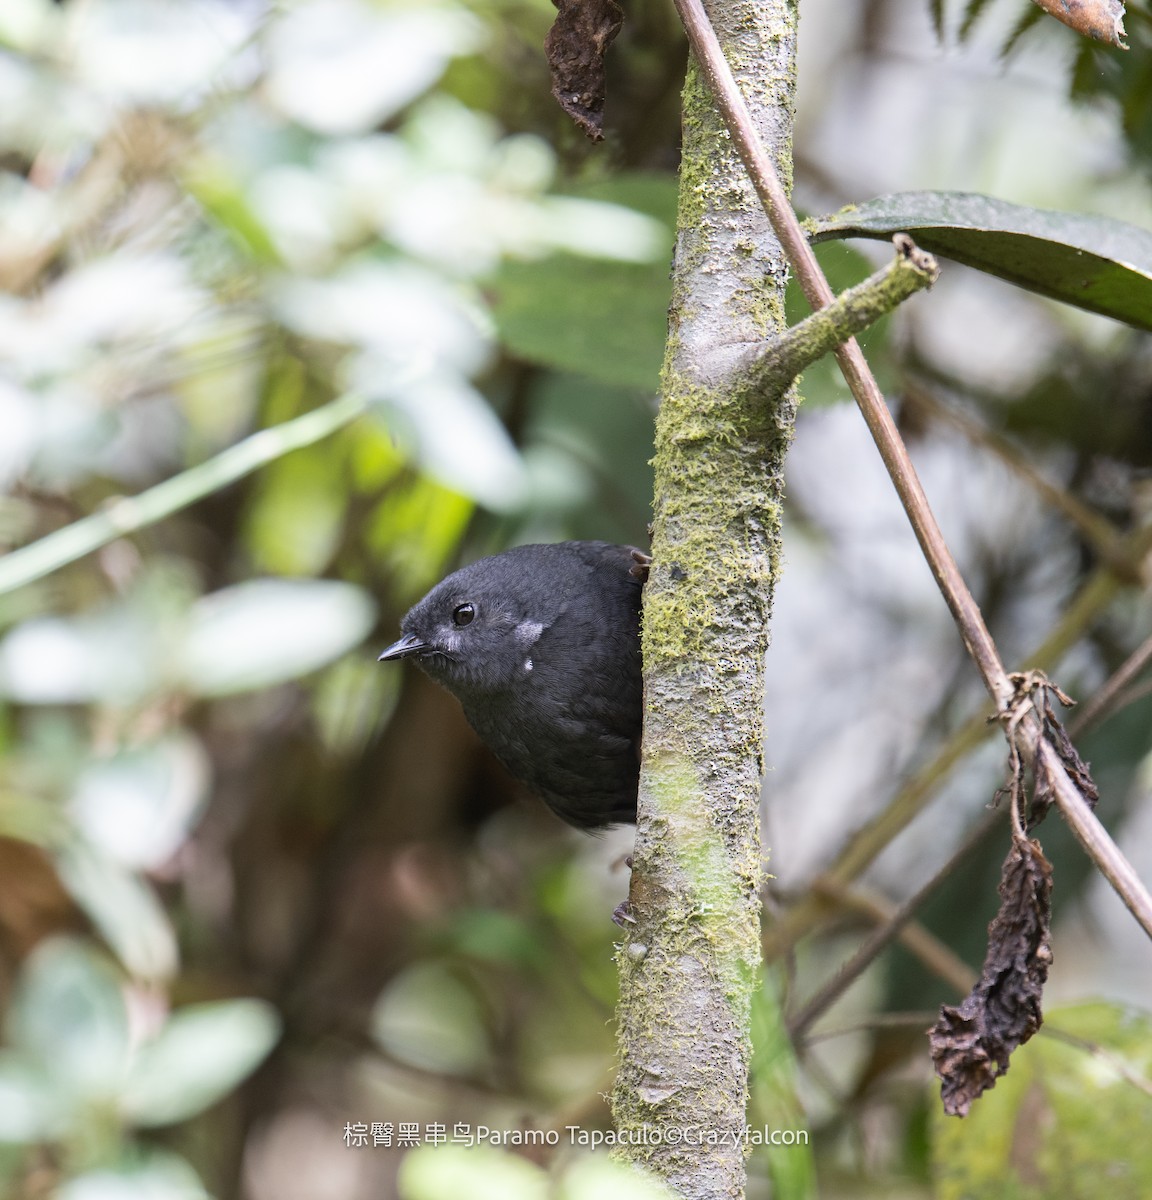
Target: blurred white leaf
[
  {"x": 602, "y": 230},
  {"x": 598, "y": 1177},
  {"x": 64, "y": 660},
  {"x": 302, "y": 212},
  {"x": 158, "y": 51},
  {"x": 38, "y": 107},
  {"x": 266, "y": 631},
  {"x": 343, "y": 66},
  {"x": 446, "y": 135},
  {"x": 139, "y": 806},
  {"x": 455, "y": 435},
  {"x": 523, "y": 164},
  {"x": 159, "y": 1177},
  {"x": 19, "y": 418},
  {"x": 428, "y": 1018},
  {"x": 403, "y": 310},
  {"x": 478, "y": 1172},
  {"x": 27, "y": 25},
  {"x": 68, "y": 1017},
  {"x": 30, "y": 1109},
  {"x": 122, "y": 298},
  {"x": 202, "y": 1052},
  {"x": 123, "y": 908}
]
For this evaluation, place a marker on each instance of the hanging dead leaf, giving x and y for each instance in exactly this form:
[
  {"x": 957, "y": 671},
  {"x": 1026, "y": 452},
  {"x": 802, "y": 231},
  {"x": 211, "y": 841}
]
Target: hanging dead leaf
[
  {"x": 971, "y": 1043},
  {"x": 1075, "y": 767},
  {"x": 1099, "y": 19},
  {"x": 576, "y": 45}
]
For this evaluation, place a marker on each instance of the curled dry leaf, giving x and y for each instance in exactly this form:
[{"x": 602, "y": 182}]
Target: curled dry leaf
[
  {"x": 1074, "y": 765},
  {"x": 971, "y": 1043},
  {"x": 576, "y": 45},
  {"x": 1099, "y": 19}
]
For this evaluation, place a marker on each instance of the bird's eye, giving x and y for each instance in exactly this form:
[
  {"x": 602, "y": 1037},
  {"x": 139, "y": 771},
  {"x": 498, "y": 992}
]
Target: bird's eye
[{"x": 463, "y": 614}]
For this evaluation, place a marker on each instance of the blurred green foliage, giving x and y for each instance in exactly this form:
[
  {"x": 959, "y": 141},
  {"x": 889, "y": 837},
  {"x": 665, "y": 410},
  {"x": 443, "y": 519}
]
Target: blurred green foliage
[
  {"x": 1066, "y": 1120},
  {"x": 214, "y": 218}
]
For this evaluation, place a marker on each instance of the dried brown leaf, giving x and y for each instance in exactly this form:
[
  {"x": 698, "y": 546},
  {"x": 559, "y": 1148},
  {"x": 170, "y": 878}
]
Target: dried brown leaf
[
  {"x": 972, "y": 1043},
  {"x": 1099, "y": 19},
  {"x": 576, "y": 45},
  {"x": 1075, "y": 767}
]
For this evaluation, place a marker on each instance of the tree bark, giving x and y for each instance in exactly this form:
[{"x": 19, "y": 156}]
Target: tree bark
[{"x": 691, "y": 961}]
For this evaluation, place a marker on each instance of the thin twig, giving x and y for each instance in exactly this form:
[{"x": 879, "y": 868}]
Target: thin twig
[
  {"x": 799, "y": 1023},
  {"x": 852, "y": 311},
  {"x": 131, "y": 513},
  {"x": 1091, "y": 834},
  {"x": 1101, "y": 1052},
  {"x": 1112, "y": 694},
  {"x": 1104, "y": 538},
  {"x": 890, "y": 1020},
  {"x": 913, "y": 796}
]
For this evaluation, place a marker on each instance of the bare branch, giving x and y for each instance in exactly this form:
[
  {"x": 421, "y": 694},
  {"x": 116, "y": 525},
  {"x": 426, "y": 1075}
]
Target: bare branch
[
  {"x": 851, "y": 970},
  {"x": 776, "y": 364},
  {"x": 1113, "y": 693},
  {"x": 1104, "y": 538}
]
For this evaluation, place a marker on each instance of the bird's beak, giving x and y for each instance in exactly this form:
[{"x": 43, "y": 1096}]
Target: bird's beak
[{"x": 409, "y": 644}]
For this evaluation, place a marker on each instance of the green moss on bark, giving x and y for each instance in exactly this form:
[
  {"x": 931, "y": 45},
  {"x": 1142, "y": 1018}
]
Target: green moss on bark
[{"x": 690, "y": 964}]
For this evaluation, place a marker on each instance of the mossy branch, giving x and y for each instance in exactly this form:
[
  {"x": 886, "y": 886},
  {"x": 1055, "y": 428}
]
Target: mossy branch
[
  {"x": 692, "y": 961},
  {"x": 1026, "y": 736},
  {"x": 780, "y": 361}
]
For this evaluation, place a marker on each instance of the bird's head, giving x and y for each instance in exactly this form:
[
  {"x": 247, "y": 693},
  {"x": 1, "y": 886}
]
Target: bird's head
[{"x": 471, "y": 634}]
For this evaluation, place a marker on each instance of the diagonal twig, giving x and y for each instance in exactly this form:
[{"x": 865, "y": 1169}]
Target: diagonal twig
[
  {"x": 800, "y": 1022},
  {"x": 1100, "y": 534},
  {"x": 974, "y": 632},
  {"x": 1113, "y": 693},
  {"x": 912, "y": 797},
  {"x": 131, "y": 513}
]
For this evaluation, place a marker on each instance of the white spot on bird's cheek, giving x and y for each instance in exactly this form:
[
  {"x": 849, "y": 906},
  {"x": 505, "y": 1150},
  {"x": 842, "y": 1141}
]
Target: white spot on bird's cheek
[
  {"x": 527, "y": 634},
  {"x": 527, "y": 664}
]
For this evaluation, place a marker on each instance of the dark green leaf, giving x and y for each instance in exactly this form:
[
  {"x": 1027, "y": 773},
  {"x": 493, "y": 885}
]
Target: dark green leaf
[
  {"x": 1029, "y": 18},
  {"x": 1095, "y": 263},
  {"x": 971, "y": 16},
  {"x": 936, "y": 8},
  {"x": 598, "y": 318}
]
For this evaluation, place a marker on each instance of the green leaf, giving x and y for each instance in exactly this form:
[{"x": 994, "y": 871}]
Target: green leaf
[
  {"x": 68, "y": 1018},
  {"x": 480, "y": 1173},
  {"x": 1094, "y": 263},
  {"x": 123, "y": 908},
  {"x": 431, "y": 1019},
  {"x": 31, "y": 1109},
  {"x": 603, "y": 319},
  {"x": 1066, "y": 1120},
  {"x": 599, "y": 1178},
  {"x": 223, "y": 198},
  {"x": 199, "y": 1056},
  {"x": 158, "y": 1176}
]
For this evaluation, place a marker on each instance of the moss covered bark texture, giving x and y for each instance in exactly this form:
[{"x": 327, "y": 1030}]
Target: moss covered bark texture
[{"x": 691, "y": 962}]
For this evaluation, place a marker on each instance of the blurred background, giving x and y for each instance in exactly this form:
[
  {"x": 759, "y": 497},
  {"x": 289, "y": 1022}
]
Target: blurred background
[{"x": 344, "y": 276}]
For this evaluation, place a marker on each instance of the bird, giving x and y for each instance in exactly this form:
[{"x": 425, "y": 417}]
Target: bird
[{"x": 541, "y": 646}]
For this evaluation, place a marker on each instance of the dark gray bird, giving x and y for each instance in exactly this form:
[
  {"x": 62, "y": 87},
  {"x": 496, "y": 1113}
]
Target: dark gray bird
[{"x": 541, "y": 646}]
